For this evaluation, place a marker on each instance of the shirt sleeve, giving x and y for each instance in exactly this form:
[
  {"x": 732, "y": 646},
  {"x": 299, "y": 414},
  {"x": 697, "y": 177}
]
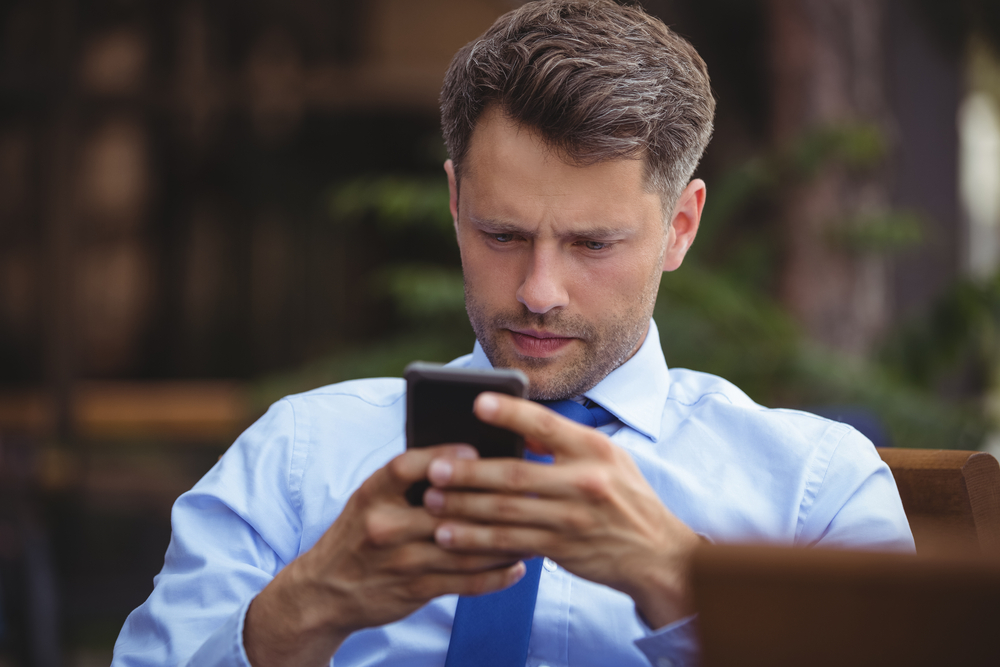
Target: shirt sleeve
[
  {"x": 231, "y": 534},
  {"x": 851, "y": 501},
  {"x": 673, "y": 645}
]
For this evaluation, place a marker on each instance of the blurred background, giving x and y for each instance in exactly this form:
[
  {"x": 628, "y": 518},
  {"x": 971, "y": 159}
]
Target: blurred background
[{"x": 206, "y": 205}]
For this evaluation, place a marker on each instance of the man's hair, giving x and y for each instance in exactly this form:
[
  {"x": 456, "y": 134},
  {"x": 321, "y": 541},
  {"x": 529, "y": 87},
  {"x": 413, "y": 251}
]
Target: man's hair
[{"x": 599, "y": 81}]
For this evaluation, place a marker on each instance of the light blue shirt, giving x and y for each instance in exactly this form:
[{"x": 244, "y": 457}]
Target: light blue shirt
[{"x": 727, "y": 467}]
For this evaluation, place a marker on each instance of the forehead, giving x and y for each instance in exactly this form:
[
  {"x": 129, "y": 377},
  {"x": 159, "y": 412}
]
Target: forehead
[{"x": 512, "y": 164}]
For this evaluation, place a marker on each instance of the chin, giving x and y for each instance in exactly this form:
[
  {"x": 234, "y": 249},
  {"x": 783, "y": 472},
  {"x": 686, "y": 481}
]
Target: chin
[{"x": 559, "y": 384}]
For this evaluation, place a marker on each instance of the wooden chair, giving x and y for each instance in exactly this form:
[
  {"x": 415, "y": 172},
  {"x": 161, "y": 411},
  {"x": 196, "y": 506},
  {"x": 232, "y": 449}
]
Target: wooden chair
[
  {"x": 784, "y": 607},
  {"x": 951, "y": 498}
]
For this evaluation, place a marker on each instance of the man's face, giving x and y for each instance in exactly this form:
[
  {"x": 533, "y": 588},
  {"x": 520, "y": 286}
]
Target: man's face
[{"x": 562, "y": 263}]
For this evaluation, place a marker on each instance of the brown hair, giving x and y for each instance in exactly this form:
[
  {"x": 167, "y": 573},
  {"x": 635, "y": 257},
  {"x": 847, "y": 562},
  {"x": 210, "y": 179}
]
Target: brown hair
[{"x": 600, "y": 81}]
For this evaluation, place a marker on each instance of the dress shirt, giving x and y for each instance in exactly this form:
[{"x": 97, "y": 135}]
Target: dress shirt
[{"x": 728, "y": 468}]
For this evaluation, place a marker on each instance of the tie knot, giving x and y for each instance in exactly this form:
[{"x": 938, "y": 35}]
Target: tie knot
[{"x": 590, "y": 414}]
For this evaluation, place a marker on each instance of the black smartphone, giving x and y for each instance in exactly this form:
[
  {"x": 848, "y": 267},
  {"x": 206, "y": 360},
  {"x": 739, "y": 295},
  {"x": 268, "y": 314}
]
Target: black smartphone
[{"x": 439, "y": 410}]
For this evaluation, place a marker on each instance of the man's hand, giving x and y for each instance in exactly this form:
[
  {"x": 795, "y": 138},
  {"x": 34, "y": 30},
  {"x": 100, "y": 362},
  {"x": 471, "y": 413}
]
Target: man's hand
[
  {"x": 592, "y": 511},
  {"x": 376, "y": 564}
]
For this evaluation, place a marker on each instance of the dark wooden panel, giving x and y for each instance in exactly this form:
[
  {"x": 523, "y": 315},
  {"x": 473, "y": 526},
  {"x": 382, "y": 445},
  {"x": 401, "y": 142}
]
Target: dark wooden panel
[{"x": 777, "y": 606}]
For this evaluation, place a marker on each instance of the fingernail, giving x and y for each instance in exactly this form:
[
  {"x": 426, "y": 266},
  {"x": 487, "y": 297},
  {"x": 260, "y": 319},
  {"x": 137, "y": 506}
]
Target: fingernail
[
  {"x": 519, "y": 572},
  {"x": 440, "y": 471},
  {"x": 433, "y": 499},
  {"x": 487, "y": 405},
  {"x": 466, "y": 452},
  {"x": 444, "y": 536}
]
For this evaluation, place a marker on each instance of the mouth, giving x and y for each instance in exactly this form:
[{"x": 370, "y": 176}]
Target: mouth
[{"x": 532, "y": 343}]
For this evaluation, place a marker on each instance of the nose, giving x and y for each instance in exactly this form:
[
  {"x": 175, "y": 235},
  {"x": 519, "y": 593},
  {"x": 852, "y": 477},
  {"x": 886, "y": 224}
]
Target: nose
[{"x": 544, "y": 285}]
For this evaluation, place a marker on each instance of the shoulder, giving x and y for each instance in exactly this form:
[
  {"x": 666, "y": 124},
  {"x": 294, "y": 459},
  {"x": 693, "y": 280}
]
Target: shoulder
[
  {"x": 792, "y": 475},
  {"x": 693, "y": 392},
  {"x": 689, "y": 388},
  {"x": 298, "y": 415},
  {"x": 375, "y": 392},
  {"x": 715, "y": 410},
  {"x": 371, "y": 410}
]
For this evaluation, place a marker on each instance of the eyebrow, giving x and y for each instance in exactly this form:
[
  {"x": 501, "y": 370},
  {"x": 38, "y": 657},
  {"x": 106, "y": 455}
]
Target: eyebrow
[{"x": 506, "y": 227}]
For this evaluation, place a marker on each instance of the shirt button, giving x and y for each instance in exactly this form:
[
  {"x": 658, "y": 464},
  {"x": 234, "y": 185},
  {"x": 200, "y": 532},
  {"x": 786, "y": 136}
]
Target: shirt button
[
  {"x": 551, "y": 566},
  {"x": 664, "y": 662}
]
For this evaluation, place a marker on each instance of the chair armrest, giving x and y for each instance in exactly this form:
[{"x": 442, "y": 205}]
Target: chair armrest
[{"x": 951, "y": 497}]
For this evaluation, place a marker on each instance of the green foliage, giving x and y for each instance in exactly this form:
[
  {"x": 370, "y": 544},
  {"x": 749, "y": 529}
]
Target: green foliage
[
  {"x": 913, "y": 416},
  {"x": 422, "y": 291},
  {"x": 884, "y": 232},
  {"x": 856, "y": 145},
  {"x": 734, "y": 190},
  {"x": 962, "y": 330},
  {"x": 712, "y": 323},
  {"x": 395, "y": 203}
]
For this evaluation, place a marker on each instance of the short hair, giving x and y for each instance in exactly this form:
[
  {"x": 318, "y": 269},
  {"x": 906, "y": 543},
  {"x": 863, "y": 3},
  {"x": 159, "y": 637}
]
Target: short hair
[{"x": 600, "y": 81}]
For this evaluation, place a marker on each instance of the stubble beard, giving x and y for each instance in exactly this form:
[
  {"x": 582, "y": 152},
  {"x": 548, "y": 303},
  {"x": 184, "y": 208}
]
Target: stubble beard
[{"x": 606, "y": 345}]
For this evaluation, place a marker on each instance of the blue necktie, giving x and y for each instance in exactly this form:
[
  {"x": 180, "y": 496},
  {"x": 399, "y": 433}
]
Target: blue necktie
[{"x": 492, "y": 630}]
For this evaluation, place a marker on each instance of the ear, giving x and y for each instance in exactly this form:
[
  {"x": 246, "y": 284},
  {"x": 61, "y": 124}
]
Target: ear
[
  {"x": 684, "y": 224},
  {"x": 449, "y": 168}
]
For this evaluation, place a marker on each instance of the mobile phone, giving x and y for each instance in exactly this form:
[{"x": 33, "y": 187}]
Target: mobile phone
[{"x": 439, "y": 411}]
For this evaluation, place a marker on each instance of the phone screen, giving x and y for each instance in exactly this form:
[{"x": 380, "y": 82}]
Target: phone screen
[{"x": 439, "y": 411}]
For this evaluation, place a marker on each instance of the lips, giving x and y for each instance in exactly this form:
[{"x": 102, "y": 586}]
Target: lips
[{"x": 538, "y": 343}]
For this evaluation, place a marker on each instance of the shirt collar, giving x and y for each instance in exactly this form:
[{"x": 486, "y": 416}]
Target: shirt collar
[{"x": 635, "y": 392}]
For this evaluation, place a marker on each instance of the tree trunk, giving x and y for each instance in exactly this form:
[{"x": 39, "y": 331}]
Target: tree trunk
[{"x": 827, "y": 70}]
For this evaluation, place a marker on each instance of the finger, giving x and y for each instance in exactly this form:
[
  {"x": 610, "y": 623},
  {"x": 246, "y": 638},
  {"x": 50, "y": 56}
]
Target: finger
[
  {"x": 435, "y": 585},
  {"x": 493, "y": 508},
  {"x": 411, "y": 466},
  {"x": 393, "y": 525},
  {"x": 553, "y": 432},
  {"x": 419, "y": 558},
  {"x": 518, "y": 478},
  {"x": 492, "y": 539}
]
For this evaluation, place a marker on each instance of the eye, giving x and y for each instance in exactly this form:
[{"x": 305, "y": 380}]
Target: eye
[
  {"x": 502, "y": 238},
  {"x": 595, "y": 245}
]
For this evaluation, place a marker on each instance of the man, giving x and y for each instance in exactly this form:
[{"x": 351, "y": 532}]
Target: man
[{"x": 574, "y": 129}]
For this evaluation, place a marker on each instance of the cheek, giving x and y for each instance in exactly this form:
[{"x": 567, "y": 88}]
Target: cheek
[
  {"x": 489, "y": 276},
  {"x": 474, "y": 263},
  {"x": 488, "y": 265},
  {"x": 618, "y": 281}
]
